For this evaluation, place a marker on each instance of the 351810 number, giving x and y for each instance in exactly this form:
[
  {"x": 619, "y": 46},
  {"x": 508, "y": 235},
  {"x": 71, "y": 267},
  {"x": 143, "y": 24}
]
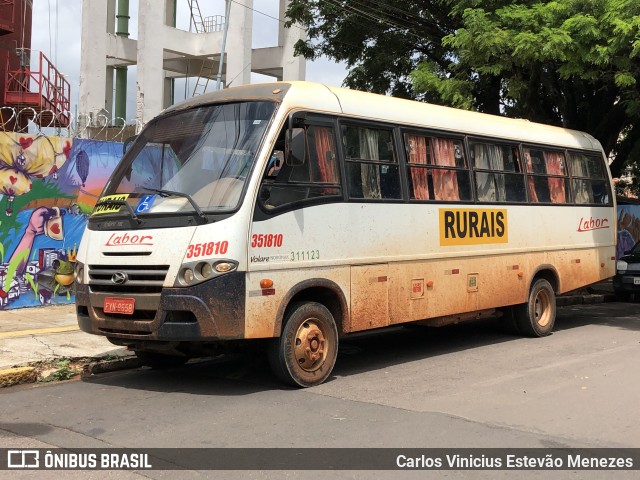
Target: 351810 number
[
  {"x": 211, "y": 248},
  {"x": 261, "y": 240}
]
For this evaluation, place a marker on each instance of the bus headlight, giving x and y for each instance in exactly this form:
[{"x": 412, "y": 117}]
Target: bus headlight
[
  {"x": 193, "y": 273},
  {"x": 188, "y": 276},
  {"x": 621, "y": 266},
  {"x": 224, "y": 267}
]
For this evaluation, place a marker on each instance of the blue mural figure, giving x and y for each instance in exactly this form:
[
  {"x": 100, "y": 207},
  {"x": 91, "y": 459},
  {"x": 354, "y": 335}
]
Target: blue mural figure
[
  {"x": 82, "y": 166},
  {"x": 625, "y": 238}
]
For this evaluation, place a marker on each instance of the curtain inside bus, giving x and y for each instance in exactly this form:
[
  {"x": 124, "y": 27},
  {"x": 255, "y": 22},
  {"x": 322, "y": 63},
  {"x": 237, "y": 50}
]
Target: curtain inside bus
[
  {"x": 418, "y": 155},
  {"x": 445, "y": 182},
  {"x": 581, "y": 191},
  {"x": 490, "y": 187},
  {"x": 370, "y": 173},
  {"x": 555, "y": 166},
  {"x": 326, "y": 154}
]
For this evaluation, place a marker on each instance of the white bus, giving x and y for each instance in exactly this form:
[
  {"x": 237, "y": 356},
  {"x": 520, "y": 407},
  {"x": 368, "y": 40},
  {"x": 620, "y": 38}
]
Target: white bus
[{"x": 299, "y": 213}]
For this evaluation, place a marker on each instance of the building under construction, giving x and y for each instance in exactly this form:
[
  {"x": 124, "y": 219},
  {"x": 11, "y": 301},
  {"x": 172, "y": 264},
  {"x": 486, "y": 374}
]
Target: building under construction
[{"x": 217, "y": 52}]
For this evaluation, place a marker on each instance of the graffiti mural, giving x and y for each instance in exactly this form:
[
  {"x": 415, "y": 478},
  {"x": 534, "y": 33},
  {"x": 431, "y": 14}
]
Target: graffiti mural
[
  {"x": 48, "y": 187},
  {"x": 628, "y": 228}
]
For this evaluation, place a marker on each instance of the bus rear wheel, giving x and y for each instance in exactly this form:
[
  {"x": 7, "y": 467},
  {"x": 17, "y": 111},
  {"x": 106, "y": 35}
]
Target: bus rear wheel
[
  {"x": 306, "y": 351},
  {"x": 537, "y": 317}
]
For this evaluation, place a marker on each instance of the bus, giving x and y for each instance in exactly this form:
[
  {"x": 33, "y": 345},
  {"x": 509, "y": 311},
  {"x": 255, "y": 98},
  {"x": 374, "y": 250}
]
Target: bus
[{"x": 291, "y": 214}]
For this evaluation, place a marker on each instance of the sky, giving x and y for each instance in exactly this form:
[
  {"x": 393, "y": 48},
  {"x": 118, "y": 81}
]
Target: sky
[{"x": 57, "y": 32}]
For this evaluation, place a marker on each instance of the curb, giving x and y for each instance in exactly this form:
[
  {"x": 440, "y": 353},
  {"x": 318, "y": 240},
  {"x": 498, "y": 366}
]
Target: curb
[
  {"x": 17, "y": 375},
  {"x": 33, "y": 373},
  {"x": 587, "y": 299},
  {"x": 105, "y": 366}
]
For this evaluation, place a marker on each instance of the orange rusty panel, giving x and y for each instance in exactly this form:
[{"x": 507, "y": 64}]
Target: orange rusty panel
[
  {"x": 369, "y": 297},
  {"x": 408, "y": 292}
]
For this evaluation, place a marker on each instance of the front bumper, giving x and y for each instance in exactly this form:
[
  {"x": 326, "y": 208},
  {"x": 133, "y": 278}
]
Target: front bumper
[
  {"x": 625, "y": 283},
  {"x": 212, "y": 310}
]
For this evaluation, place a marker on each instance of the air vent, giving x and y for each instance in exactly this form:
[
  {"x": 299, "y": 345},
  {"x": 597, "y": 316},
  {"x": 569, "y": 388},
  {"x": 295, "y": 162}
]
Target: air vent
[{"x": 131, "y": 279}]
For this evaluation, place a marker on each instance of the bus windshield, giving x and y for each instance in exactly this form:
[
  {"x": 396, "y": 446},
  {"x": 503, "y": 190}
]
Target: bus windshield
[{"x": 196, "y": 159}]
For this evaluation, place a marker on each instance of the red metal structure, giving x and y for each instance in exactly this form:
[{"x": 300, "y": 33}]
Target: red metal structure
[
  {"x": 41, "y": 92},
  {"x": 7, "y": 17},
  {"x": 29, "y": 82}
]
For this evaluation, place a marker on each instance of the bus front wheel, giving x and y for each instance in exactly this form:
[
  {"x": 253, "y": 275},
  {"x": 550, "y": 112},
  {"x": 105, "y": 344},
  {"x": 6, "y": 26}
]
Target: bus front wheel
[
  {"x": 306, "y": 351},
  {"x": 537, "y": 317}
]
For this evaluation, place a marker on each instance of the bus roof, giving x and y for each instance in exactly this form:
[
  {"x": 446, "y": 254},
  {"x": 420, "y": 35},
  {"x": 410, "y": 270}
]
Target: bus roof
[{"x": 302, "y": 95}]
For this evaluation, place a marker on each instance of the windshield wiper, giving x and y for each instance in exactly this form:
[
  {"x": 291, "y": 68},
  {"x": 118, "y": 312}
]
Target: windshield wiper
[{"x": 169, "y": 193}]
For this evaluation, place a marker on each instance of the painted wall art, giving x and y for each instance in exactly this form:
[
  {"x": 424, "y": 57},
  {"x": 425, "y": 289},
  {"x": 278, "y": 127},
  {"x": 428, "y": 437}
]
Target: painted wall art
[{"x": 48, "y": 187}]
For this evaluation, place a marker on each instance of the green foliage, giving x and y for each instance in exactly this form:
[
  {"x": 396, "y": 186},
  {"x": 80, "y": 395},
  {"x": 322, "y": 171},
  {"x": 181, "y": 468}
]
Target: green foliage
[
  {"x": 63, "y": 371},
  {"x": 572, "y": 63},
  {"x": 34, "y": 286},
  {"x": 13, "y": 267}
]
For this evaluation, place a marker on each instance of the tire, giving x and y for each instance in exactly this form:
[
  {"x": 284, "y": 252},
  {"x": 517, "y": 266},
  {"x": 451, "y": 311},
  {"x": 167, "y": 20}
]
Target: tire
[
  {"x": 537, "y": 317},
  {"x": 306, "y": 351},
  {"x": 160, "y": 361}
]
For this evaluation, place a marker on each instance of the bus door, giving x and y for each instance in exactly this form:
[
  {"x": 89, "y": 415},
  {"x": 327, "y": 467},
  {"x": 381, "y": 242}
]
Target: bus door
[{"x": 369, "y": 296}]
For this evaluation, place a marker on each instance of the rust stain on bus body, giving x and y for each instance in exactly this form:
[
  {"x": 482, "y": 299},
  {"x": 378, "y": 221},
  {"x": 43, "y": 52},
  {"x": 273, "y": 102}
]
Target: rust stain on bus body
[{"x": 401, "y": 292}]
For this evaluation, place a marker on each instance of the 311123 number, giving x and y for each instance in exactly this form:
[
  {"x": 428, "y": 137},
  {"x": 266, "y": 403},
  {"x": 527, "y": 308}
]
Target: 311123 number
[{"x": 304, "y": 255}]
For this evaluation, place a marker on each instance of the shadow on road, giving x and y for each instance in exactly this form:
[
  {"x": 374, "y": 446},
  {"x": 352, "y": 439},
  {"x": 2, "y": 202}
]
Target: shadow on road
[{"x": 235, "y": 375}]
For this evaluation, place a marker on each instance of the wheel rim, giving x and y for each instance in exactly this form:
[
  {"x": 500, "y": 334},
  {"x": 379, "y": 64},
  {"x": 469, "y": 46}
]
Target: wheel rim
[
  {"x": 542, "y": 308},
  {"x": 310, "y": 346}
]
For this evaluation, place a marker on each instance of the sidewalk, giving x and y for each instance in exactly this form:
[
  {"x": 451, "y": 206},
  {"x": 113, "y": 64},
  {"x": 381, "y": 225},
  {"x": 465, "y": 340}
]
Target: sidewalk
[{"x": 44, "y": 334}]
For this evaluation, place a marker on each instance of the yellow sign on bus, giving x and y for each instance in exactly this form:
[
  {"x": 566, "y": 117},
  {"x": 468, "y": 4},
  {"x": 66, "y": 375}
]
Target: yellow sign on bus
[
  {"x": 104, "y": 205},
  {"x": 473, "y": 226}
]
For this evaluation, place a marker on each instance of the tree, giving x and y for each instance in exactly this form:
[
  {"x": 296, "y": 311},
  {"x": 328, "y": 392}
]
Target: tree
[
  {"x": 573, "y": 63},
  {"x": 382, "y": 42}
]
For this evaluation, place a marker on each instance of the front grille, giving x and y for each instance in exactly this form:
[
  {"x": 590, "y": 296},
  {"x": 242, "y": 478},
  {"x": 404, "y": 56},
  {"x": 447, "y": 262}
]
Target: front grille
[{"x": 139, "y": 278}]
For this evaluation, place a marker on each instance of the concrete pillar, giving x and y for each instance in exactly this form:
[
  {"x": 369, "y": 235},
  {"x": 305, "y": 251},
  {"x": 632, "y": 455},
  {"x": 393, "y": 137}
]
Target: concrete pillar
[
  {"x": 238, "y": 55},
  {"x": 150, "y": 75},
  {"x": 109, "y": 90},
  {"x": 293, "y": 68},
  {"x": 93, "y": 71}
]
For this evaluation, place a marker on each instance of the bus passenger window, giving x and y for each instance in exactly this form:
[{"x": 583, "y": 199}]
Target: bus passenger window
[
  {"x": 588, "y": 184},
  {"x": 372, "y": 166},
  {"x": 437, "y": 169},
  {"x": 548, "y": 182},
  {"x": 497, "y": 172}
]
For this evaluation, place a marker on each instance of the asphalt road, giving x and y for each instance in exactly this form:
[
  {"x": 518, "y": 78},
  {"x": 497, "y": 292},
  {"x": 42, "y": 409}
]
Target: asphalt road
[{"x": 468, "y": 385}]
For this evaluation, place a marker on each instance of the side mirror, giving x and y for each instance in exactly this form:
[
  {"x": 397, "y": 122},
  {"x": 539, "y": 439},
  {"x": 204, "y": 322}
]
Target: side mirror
[{"x": 296, "y": 147}]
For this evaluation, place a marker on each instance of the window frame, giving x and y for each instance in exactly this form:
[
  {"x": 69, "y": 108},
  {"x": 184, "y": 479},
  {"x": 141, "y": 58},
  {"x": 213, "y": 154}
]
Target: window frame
[
  {"x": 310, "y": 120},
  {"x": 531, "y": 176},
  {"x": 605, "y": 176},
  {"x": 431, "y": 134},
  {"x": 519, "y": 170},
  {"x": 344, "y": 122}
]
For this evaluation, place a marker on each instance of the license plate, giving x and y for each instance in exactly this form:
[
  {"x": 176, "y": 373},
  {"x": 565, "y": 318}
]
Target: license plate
[
  {"x": 636, "y": 280},
  {"x": 123, "y": 306}
]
